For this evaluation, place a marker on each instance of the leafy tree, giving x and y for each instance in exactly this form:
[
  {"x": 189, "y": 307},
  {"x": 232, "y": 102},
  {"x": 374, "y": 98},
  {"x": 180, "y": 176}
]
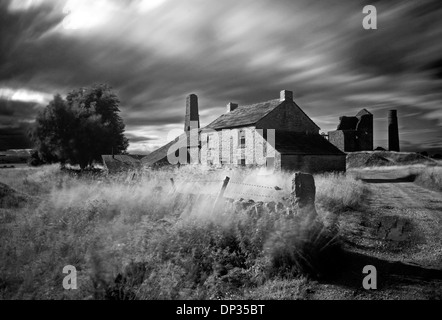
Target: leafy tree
[
  {"x": 34, "y": 159},
  {"x": 81, "y": 128}
]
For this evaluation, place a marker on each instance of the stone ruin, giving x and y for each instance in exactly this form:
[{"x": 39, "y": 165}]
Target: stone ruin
[
  {"x": 300, "y": 203},
  {"x": 354, "y": 133}
]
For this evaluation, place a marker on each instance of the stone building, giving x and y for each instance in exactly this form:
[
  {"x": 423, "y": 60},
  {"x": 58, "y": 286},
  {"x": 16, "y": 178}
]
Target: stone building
[
  {"x": 275, "y": 133},
  {"x": 354, "y": 133}
]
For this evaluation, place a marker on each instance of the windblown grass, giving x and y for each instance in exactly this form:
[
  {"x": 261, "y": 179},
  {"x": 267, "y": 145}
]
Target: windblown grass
[
  {"x": 139, "y": 241},
  {"x": 430, "y": 177},
  {"x": 339, "y": 193}
]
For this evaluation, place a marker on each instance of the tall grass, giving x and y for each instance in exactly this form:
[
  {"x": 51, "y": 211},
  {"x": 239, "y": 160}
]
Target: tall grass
[
  {"x": 339, "y": 193},
  {"x": 430, "y": 177},
  {"x": 139, "y": 241}
]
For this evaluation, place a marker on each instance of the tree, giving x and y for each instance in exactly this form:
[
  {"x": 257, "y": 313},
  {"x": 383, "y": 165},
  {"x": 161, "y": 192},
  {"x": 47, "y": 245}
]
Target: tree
[{"x": 81, "y": 128}]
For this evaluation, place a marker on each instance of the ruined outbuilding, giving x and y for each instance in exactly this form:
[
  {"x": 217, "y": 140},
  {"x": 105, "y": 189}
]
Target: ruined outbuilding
[{"x": 354, "y": 133}]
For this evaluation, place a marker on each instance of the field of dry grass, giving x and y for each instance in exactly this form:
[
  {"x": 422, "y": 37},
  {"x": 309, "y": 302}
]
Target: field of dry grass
[
  {"x": 429, "y": 177},
  {"x": 140, "y": 241}
]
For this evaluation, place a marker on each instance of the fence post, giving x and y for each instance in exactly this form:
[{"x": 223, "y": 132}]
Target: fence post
[
  {"x": 221, "y": 194},
  {"x": 302, "y": 197}
]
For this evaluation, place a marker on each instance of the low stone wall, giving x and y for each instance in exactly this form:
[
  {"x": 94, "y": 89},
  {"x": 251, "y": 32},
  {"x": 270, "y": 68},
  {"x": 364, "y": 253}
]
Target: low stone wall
[{"x": 300, "y": 203}]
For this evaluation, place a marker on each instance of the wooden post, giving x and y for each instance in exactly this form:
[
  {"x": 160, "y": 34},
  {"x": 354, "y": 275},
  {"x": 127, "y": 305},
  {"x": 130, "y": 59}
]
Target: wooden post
[{"x": 221, "y": 194}]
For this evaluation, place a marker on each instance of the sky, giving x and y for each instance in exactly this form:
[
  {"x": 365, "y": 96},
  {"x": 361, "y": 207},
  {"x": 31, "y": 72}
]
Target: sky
[{"x": 156, "y": 52}]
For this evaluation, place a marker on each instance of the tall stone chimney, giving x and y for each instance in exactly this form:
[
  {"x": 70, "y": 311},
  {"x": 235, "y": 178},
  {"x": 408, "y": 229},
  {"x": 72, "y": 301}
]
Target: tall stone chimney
[
  {"x": 192, "y": 114},
  {"x": 393, "y": 131},
  {"x": 231, "y": 106}
]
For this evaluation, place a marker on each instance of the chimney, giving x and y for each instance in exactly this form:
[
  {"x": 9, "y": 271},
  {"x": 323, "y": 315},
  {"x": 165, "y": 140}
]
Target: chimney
[
  {"x": 393, "y": 131},
  {"x": 286, "y": 95},
  {"x": 191, "y": 112},
  {"x": 231, "y": 106}
]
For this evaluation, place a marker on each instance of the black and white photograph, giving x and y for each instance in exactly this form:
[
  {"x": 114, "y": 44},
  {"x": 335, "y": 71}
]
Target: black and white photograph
[{"x": 220, "y": 155}]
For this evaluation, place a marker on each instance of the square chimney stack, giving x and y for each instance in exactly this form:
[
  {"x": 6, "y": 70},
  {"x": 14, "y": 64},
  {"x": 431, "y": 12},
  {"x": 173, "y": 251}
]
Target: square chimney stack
[
  {"x": 192, "y": 114},
  {"x": 231, "y": 106},
  {"x": 286, "y": 95}
]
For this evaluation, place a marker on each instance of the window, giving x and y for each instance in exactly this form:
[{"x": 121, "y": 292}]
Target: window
[
  {"x": 242, "y": 162},
  {"x": 241, "y": 139},
  {"x": 210, "y": 142}
]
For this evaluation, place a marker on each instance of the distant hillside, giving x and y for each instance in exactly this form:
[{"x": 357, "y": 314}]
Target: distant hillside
[{"x": 385, "y": 158}]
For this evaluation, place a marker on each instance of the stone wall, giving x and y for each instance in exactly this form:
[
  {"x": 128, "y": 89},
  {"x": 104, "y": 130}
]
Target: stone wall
[
  {"x": 365, "y": 133},
  {"x": 337, "y": 138},
  {"x": 360, "y": 139},
  {"x": 300, "y": 203},
  {"x": 254, "y": 152},
  {"x": 254, "y": 141},
  {"x": 344, "y": 140}
]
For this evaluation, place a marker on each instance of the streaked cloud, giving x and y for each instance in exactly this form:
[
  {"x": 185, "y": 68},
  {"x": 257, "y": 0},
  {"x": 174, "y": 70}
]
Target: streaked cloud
[{"x": 154, "y": 53}]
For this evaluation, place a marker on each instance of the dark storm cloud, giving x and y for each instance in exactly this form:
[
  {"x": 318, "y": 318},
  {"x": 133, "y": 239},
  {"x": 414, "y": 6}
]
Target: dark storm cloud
[
  {"x": 407, "y": 39},
  {"x": 232, "y": 51},
  {"x": 15, "y": 137},
  {"x": 15, "y": 118},
  {"x": 135, "y": 138},
  {"x": 18, "y": 110}
]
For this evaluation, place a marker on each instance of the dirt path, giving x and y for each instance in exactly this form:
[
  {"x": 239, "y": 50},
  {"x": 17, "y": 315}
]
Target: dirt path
[
  {"x": 400, "y": 233},
  {"x": 407, "y": 218}
]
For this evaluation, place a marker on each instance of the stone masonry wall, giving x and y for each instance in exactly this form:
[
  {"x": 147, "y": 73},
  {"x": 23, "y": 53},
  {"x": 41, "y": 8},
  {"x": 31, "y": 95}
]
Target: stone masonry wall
[{"x": 234, "y": 153}]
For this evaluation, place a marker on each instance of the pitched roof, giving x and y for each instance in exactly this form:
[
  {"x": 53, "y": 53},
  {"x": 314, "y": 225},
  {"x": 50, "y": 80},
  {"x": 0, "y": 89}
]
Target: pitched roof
[
  {"x": 288, "y": 142},
  {"x": 244, "y": 115},
  {"x": 120, "y": 162},
  {"x": 160, "y": 155},
  {"x": 137, "y": 156}
]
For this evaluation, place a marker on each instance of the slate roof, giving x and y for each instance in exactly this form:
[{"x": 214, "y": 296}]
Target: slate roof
[
  {"x": 120, "y": 162},
  {"x": 244, "y": 115},
  {"x": 159, "y": 154},
  {"x": 138, "y": 156},
  {"x": 288, "y": 142}
]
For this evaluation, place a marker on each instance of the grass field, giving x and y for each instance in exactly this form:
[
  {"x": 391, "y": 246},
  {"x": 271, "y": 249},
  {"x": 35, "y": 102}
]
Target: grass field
[
  {"x": 138, "y": 241},
  {"x": 429, "y": 177}
]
